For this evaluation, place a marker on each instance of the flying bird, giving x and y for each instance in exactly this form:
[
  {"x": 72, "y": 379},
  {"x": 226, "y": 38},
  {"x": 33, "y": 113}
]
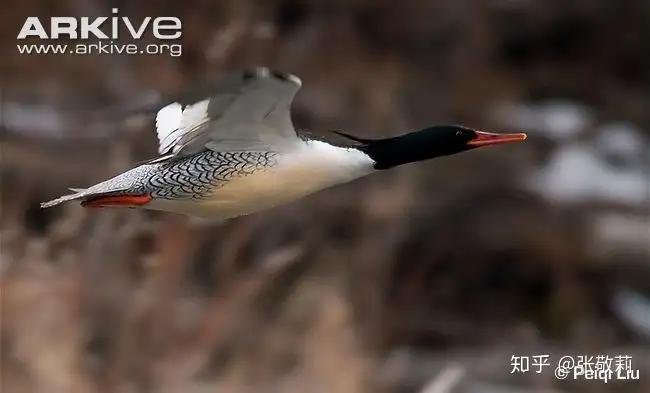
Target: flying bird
[{"x": 232, "y": 150}]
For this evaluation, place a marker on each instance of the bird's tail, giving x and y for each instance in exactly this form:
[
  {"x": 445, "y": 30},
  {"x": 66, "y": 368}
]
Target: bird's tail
[
  {"x": 88, "y": 198},
  {"x": 78, "y": 194},
  {"x": 120, "y": 190}
]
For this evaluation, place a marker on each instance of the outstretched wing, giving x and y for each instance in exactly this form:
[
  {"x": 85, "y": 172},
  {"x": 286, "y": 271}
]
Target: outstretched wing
[{"x": 245, "y": 110}]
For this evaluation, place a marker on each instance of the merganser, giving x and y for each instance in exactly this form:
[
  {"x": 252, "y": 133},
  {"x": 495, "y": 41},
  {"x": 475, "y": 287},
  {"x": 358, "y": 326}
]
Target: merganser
[{"x": 236, "y": 152}]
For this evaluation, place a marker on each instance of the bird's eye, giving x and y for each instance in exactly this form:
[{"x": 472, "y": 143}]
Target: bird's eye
[{"x": 459, "y": 133}]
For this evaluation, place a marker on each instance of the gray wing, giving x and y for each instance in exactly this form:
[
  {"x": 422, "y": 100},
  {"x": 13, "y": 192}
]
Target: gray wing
[{"x": 245, "y": 110}]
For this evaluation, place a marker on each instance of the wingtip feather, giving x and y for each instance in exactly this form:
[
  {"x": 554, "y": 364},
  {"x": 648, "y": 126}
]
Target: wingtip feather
[
  {"x": 266, "y": 72},
  {"x": 60, "y": 200},
  {"x": 52, "y": 203}
]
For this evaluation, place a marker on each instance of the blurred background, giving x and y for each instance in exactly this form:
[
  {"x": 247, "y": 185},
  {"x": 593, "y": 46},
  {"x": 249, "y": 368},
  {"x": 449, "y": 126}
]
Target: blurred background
[{"x": 427, "y": 278}]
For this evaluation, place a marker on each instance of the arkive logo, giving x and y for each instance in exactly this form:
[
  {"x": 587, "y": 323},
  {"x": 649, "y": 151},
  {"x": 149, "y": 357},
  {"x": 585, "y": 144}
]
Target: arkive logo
[{"x": 162, "y": 27}]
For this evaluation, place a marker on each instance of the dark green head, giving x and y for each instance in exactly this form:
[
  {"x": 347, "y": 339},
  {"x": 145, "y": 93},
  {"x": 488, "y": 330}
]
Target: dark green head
[{"x": 429, "y": 143}]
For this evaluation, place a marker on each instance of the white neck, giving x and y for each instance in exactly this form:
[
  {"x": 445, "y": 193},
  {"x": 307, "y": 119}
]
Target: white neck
[{"x": 330, "y": 164}]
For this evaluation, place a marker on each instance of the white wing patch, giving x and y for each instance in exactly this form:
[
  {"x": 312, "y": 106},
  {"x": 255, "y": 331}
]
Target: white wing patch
[
  {"x": 168, "y": 121},
  {"x": 244, "y": 109},
  {"x": 173, "y": 122},
  {"x": 194, "y": 116}
]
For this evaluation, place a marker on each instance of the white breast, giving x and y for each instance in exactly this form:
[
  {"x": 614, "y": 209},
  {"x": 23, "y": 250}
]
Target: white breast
[{"x": 311, "y": 167}]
